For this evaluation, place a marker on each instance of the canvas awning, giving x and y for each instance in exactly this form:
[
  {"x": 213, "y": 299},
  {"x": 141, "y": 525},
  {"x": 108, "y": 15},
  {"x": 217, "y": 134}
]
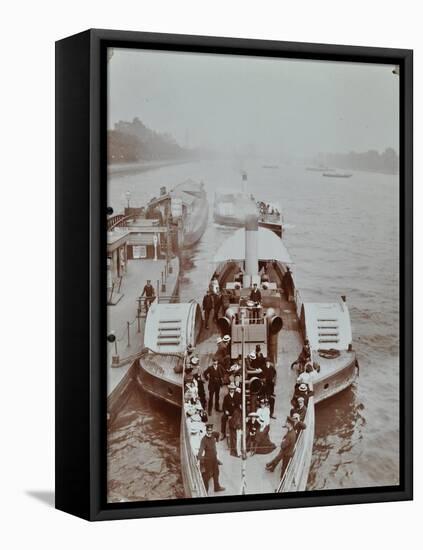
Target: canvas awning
[{"x": 270, "y": 247}]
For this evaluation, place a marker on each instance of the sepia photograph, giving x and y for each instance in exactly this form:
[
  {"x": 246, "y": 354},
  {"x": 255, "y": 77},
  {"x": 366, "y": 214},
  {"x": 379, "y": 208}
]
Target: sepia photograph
[{"x": 252, "y": 275}]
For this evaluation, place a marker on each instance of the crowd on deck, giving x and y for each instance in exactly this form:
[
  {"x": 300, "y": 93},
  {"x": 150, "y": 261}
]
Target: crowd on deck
[
  {"x": 260, "y": 380},
  {"x": 266, "y": 209}
]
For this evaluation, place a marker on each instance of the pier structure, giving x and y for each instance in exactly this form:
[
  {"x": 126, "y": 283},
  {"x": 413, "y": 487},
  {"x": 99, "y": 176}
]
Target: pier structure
[{"x": 138, "y": 249}]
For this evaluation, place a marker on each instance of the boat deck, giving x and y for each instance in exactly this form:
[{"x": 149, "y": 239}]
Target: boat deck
[{"x": 258, "y": 479}]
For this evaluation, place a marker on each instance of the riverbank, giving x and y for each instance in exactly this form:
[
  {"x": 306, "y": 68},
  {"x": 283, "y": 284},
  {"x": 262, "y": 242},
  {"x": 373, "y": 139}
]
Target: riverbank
[{"x": 123, "y": 169}]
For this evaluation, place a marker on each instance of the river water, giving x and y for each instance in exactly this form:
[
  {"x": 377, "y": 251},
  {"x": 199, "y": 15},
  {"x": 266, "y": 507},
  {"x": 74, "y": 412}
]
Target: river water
[{"x": 343, "y": 235}]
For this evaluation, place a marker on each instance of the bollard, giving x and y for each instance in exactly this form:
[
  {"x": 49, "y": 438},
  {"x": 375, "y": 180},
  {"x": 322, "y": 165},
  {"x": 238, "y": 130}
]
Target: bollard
[{"x": 139, "y": 322}]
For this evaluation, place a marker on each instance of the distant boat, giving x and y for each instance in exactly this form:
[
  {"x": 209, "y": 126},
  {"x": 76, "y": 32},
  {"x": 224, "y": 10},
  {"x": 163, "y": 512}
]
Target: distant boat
[
  {"x": 337, "y": 174},
  {"x": 270, "y": 166},
  {"x": 185, "y": 207},
  {"x": 319, "y": 168}
]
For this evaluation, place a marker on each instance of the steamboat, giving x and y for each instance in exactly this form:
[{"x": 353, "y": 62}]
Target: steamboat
[
  {"x": 280, "y": 326},
  {"x": 231, "y": 209},
  {"x": 184, "y": 209}
]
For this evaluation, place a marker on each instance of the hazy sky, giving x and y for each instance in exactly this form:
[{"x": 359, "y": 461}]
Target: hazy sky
[{"x": 293, "y": 107}]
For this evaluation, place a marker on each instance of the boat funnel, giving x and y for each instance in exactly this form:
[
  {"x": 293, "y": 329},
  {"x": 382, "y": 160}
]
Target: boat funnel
[
  {"x": 251, "y": 247},
  {"x": 274, "y": 322},
  {"x": 224, "y": 323}
]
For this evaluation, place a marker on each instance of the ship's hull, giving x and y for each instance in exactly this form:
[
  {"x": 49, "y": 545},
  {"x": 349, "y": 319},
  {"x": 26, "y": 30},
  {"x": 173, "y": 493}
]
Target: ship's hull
[
  {"x": 329, "y": 175},
  {"x": 336, "y": 380},
  {"x": 196, "y": 224},
  {"x": 159, "y": 386}
]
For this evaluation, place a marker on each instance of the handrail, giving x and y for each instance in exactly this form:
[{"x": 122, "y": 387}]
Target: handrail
[{"x": 119, "y": 220}]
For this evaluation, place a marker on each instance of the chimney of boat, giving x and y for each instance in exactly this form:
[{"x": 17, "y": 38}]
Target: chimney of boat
[{"x": 251, "y": 249}]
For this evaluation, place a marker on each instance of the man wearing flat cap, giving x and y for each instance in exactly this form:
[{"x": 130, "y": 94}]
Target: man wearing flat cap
[{"x": 207, "y": 455}]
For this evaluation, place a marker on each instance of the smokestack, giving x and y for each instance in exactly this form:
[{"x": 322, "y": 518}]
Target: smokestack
[{"x": 251, "y": 248}]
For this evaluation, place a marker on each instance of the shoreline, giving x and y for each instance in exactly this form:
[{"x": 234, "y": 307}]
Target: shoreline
[{"x": 122, "y": 169}]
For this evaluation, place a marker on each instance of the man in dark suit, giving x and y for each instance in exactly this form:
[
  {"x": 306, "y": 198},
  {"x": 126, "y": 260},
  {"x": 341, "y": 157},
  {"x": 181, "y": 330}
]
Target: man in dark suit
[
  {"x": 269, "y": 376},
  {"x": 207, "y": 307},
  {"x": 207, "y": 455},
  {"x": 255, "y": 296},
  {"x": 213, "y": 375},
  {"x": 287, "y": 449},
  {"x": 230, "y": 401}
]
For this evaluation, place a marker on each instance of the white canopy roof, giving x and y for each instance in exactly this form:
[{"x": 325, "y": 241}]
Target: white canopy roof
[{"x": 270, "y": 247}]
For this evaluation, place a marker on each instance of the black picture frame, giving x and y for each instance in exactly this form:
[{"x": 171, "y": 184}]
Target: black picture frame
[{"x": 81, "y": 177}]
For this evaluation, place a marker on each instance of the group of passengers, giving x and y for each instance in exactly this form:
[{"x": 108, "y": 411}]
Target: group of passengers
[
  {"x": 218, "y": 300},
  {"x": 227, "y": 372},
  {"x": 260, "y": 386},
  {"x": 266, "y": 209}
]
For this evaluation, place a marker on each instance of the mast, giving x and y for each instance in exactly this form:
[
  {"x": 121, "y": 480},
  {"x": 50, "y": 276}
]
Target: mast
[{"x": 244, "y": 421}]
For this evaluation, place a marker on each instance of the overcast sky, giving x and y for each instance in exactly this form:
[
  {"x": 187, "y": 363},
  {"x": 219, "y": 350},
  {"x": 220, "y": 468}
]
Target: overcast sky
[{"x": 293, "y": 107}]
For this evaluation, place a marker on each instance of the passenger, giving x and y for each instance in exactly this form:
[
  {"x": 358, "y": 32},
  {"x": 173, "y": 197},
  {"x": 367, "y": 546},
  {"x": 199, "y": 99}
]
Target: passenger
[
  {"x": 286, "y": 450},
  {"x": 189, "y": 405},
  {"x": 299, "y": 408},
  {"x": 195, "y": 363},
  {"x": 302, "y": 390},
  {"x": 213, "y": 375},
  {"x": 307, "y": 376},
  {"x": 197, "y": 430},
  {"x": 264, "y": 277},
  {"x": 222, "y": 354},
  {"x": 230, "y": 402},
  {"x": 191, "y": 386},
  {"x": 236, "y": 369},
  {"x": 255, "y": 296},
  {"x": 263, "y": 443},
  {"x": 253, "y": 427},
  {"x": 269, "y": 379},
  {"x": 148, "y": 292},
  {"x": 207, "y": 455},
  {"x": 207, "y": 308},
  {"x": 235, "y": 431},
  {"x": 303, "y": 358},
  {"x": 226, "y": 340},
  {"x": 201, "y": 412},
  {"x": 214, "y": 284},
  {"x": 297, "y": 423},
  {"x": 252, "y": 367},
  {"x": 260, "y": 360},
  {"x": 239, "y": 276}
]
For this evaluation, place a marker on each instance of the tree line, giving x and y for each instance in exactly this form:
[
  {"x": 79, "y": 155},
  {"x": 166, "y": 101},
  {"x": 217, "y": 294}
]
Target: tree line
[
  {"x": 369, "y": 161},
  {"x": 133, "y": 141}
]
